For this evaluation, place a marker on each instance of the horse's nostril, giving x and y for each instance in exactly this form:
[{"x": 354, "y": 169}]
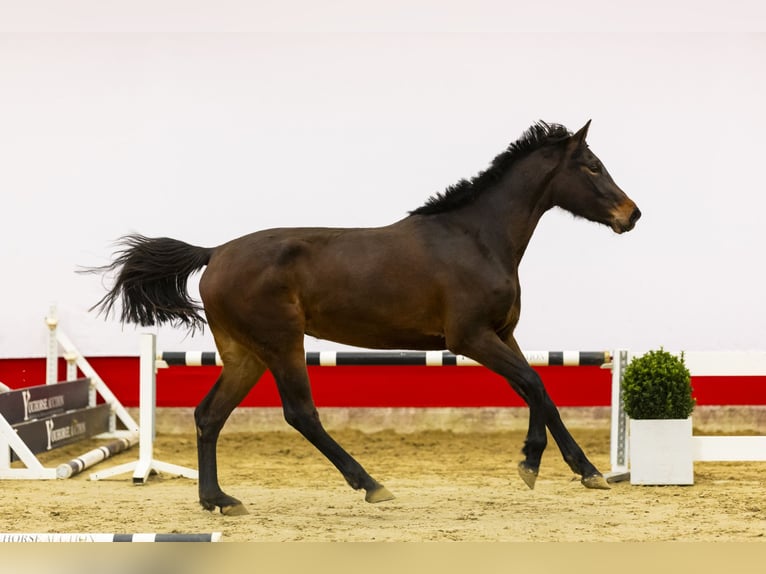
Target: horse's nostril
[{"x": 635, "y": 216}]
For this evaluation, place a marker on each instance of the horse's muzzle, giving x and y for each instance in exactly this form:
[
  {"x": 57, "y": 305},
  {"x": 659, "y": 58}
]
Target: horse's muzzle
[{"x": 625, "y": 219}]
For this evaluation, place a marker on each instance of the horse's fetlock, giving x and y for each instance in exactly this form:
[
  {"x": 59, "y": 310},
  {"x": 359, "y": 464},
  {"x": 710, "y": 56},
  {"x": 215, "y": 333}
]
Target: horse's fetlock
[{"x": 355, "y": 483}]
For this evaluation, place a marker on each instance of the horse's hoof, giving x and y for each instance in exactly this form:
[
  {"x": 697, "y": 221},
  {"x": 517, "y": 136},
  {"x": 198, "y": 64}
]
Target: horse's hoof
[
  {"x": 595, "y": 481},
  {"x": 229, "y": 506},
  {"x": 378, "y": 494},
  {"x": 234, "y": 510},
  {"x": 528, "y": 475}
]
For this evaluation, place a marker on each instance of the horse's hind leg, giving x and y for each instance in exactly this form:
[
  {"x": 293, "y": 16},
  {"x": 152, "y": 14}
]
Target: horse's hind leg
[
  {"x": 240, "y": 373},
  {"x": 299, "y": 410}
]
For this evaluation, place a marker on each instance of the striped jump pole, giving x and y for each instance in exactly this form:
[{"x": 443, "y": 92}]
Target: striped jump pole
[
  {"x": 92, "y": 457},
  {"x": 396, "y": 358},
  {"x": 17, "y": 537}
]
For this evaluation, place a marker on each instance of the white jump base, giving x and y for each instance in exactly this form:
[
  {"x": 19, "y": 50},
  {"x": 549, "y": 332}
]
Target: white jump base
[{"x": 146, "y": 463}]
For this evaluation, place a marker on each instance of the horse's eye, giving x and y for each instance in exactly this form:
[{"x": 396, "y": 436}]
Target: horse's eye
[{"x": 594, "y": 168}]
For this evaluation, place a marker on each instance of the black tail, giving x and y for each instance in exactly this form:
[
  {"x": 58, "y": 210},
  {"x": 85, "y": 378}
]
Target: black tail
[{"x": 151, "y": 282}]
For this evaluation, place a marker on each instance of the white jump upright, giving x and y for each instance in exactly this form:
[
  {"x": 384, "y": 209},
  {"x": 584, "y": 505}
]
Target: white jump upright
[
  {"x": 146, "y": 464},
  {"x": 618, "y": 443}
]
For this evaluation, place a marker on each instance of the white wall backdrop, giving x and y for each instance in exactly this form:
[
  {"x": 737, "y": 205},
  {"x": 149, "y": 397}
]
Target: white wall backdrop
[{"x": 207, "y": 120}]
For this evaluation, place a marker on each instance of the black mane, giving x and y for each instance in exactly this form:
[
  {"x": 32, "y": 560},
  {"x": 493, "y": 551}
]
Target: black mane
[{"x": 465, "y": 191}]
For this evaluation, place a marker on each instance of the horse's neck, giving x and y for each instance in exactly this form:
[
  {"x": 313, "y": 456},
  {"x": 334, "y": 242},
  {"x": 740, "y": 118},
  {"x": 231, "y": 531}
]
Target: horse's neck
[{"x": 507, "y": 215}]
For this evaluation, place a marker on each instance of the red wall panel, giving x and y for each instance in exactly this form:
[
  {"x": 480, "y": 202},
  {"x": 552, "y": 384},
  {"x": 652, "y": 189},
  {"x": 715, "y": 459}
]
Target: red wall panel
[{"x": 392, "y": 386}]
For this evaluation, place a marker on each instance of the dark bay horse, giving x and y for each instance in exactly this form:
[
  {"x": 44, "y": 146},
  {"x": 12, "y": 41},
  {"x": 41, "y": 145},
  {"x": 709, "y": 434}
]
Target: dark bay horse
[{"x": 444, "y": 277}]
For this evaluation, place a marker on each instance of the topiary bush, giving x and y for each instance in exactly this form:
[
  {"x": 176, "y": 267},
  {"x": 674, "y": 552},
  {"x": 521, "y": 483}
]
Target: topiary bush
[{"x": 657, "y": 385}]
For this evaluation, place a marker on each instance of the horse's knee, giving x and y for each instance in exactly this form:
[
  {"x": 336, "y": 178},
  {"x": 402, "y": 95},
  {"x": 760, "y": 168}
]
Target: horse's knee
[
  {"x": 201, "y": 420},
  {"x": 302, "y": 420},
  {"x": 534, "y": 386},
  {"x": 199, "y": 417},
  {"x": 208, "y": 424}
]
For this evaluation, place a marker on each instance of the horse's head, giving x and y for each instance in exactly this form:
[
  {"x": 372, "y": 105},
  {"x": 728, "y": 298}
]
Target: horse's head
[{"x": 583, "y": 187}]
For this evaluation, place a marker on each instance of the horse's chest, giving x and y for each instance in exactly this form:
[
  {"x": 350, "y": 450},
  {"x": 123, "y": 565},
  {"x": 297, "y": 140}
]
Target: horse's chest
[{"x": 504, "y": 306}]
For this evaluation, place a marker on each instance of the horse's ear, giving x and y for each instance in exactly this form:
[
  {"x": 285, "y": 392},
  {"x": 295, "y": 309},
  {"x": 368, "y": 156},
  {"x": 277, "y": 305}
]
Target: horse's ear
[{"x": 577, "y": 141}]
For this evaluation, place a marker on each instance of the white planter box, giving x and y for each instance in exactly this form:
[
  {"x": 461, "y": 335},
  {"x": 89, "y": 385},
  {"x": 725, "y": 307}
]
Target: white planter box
[{"x": 661, "y": 451}]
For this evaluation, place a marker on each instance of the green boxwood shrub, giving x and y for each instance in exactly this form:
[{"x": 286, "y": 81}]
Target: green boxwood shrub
[{"x": 657, "y": 385}]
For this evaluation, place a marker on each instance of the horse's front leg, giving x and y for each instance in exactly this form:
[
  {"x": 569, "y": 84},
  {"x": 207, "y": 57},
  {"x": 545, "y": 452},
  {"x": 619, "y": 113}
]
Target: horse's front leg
[
  {"x": 507, "y": 360},
  {"x": 546, "y": 414}
]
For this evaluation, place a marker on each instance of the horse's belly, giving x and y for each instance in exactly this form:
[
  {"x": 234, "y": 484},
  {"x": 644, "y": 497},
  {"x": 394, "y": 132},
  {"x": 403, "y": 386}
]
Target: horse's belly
[{"x": 374, "y": 335}]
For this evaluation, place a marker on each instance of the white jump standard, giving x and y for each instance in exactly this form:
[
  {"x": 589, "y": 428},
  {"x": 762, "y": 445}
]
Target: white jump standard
[{"x": 146, "y": 464}]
